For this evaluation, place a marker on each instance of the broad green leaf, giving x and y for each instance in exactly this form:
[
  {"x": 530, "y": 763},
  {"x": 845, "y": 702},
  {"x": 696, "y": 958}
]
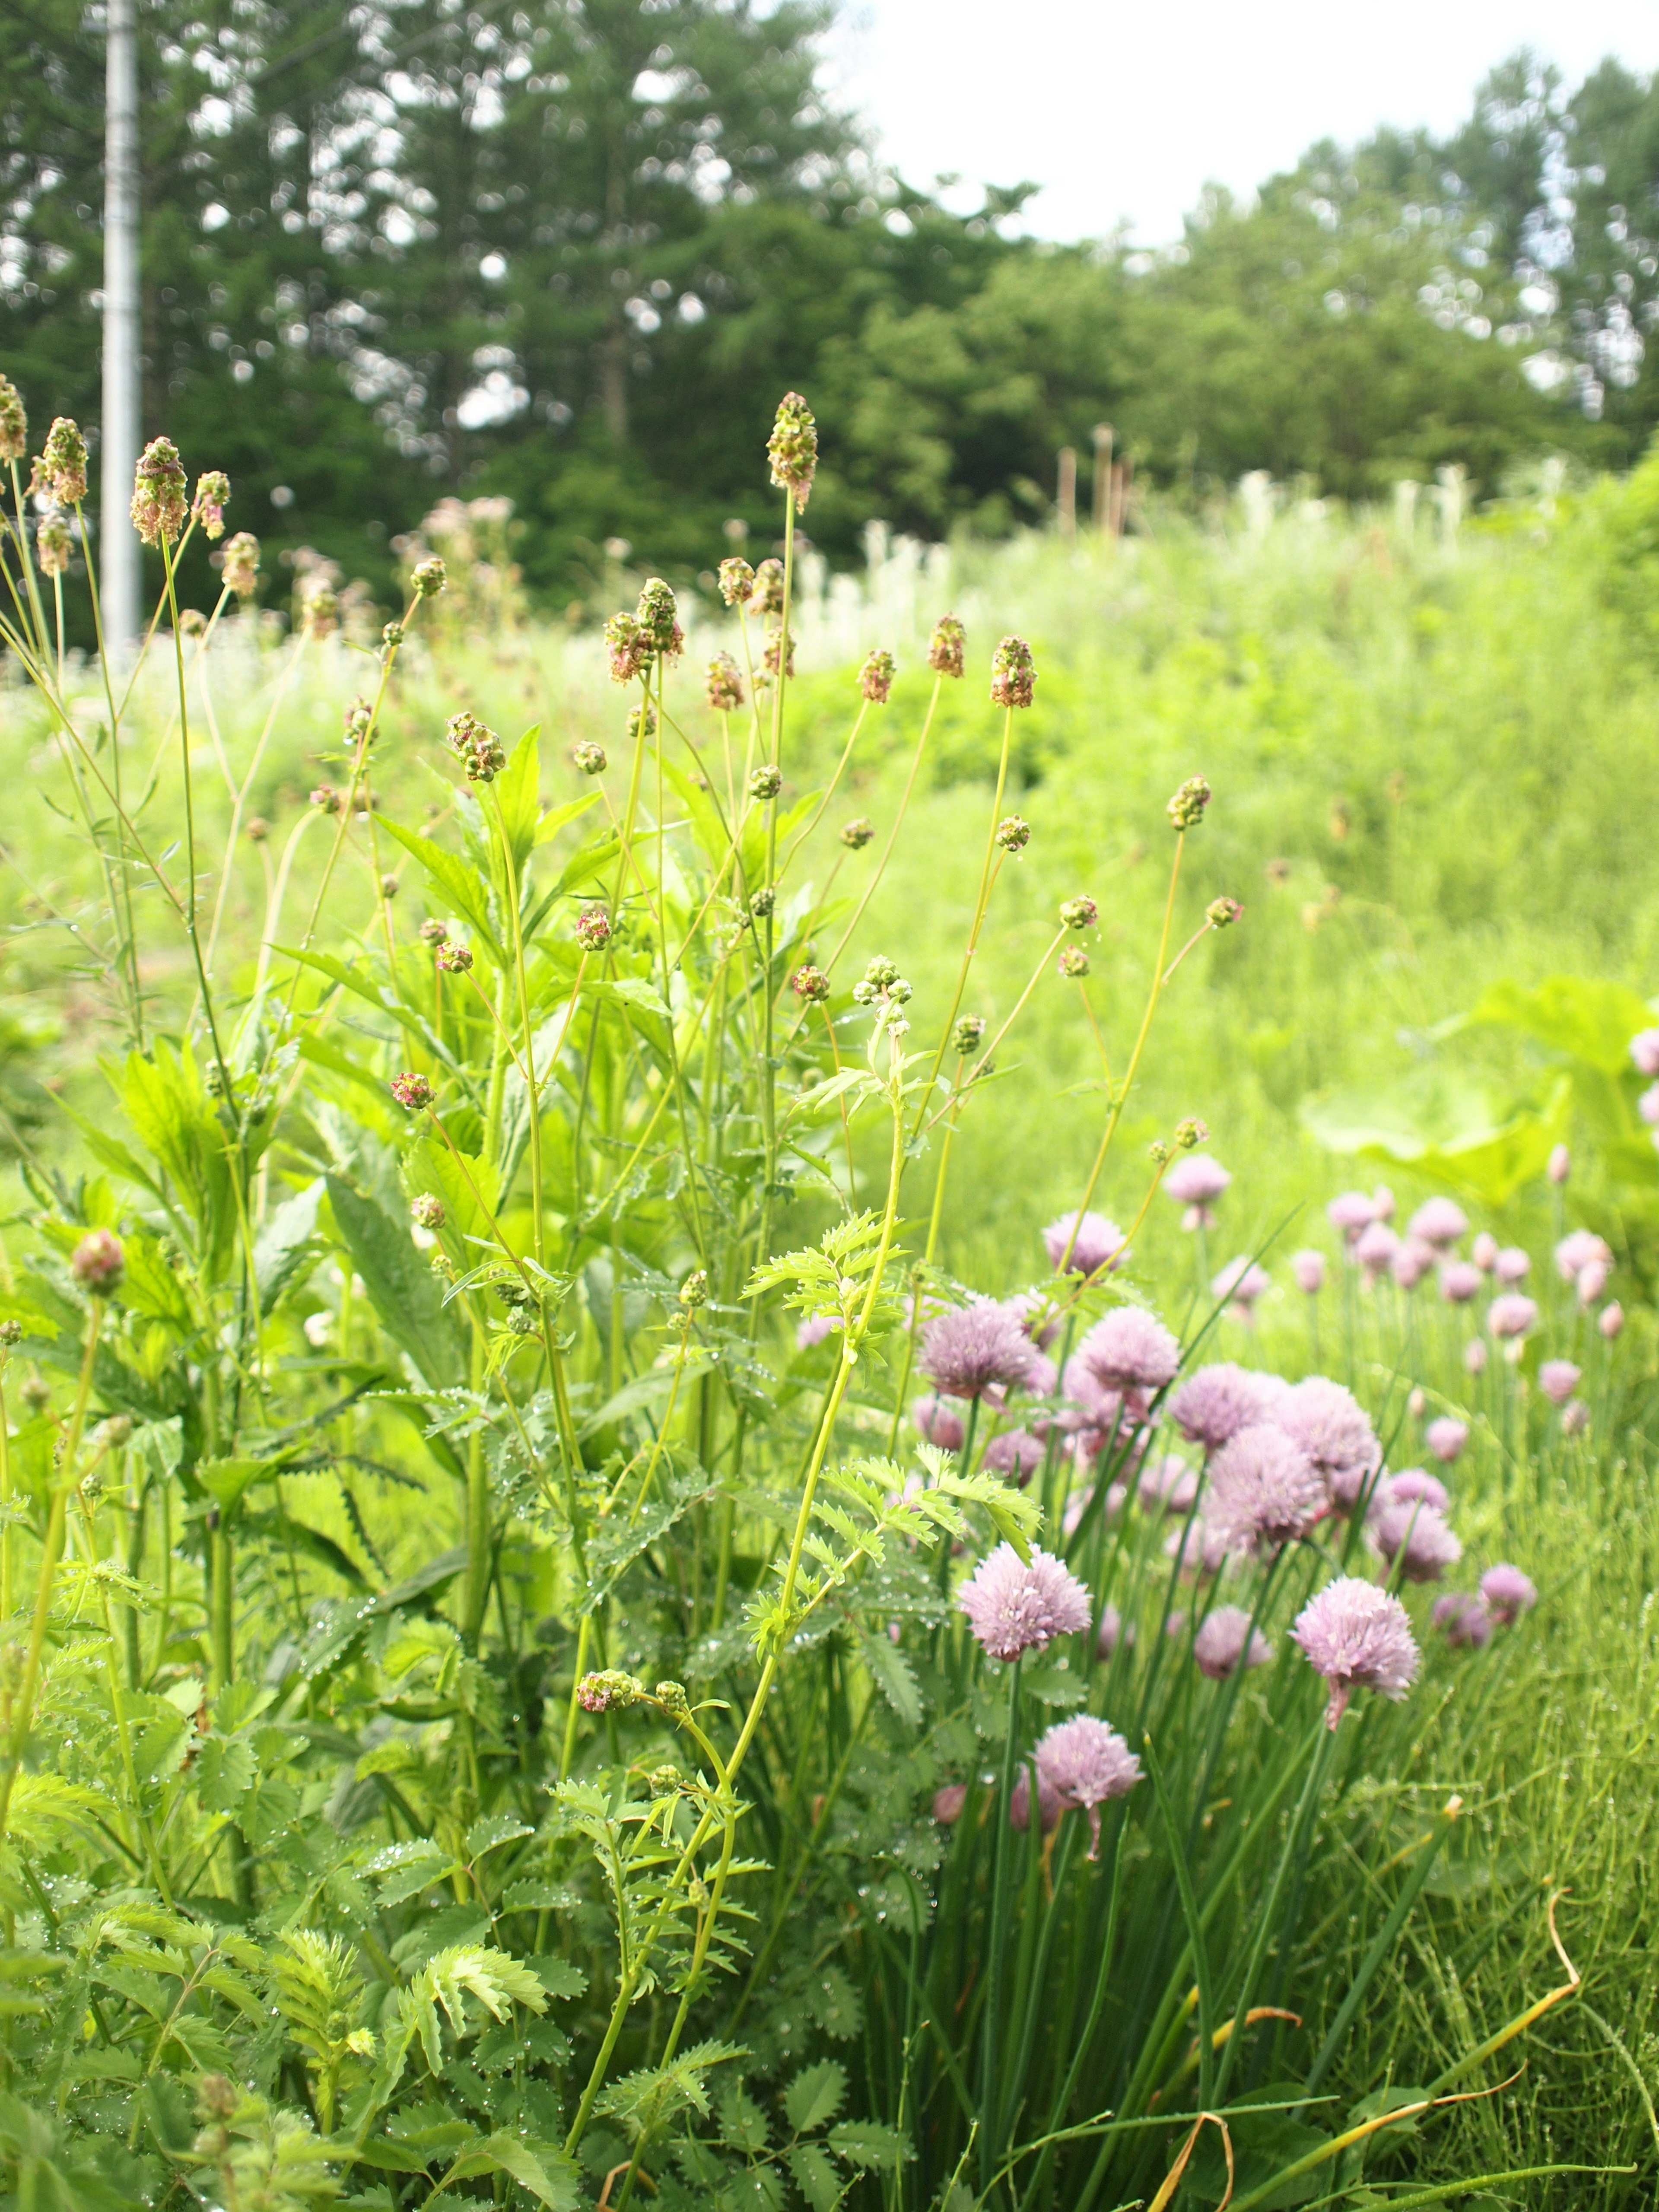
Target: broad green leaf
[
  {"x": 1579, "y": 1015},
  {"x": 862, "y": 2143},
  {"x": 406, "y": 1298},
  {"x": 462, "y": 885},
  {"x": 281, "y": 1246},
  {"x": 487, "y": 1835},
  {"x": 551, "y": 2177},
  {"x": 816, "y": 2177},
  {"x": 226, "y": 1480},
  {"x": 516, "y": 792},
  {"x": 815, "y": 2096},
  {"x": 557, "y": 818}
]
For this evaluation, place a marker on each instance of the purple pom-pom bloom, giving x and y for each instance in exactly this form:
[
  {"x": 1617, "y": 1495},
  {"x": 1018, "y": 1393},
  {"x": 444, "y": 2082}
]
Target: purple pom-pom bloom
[
  {"x": 1359, "y": 1638},
  {"x": 1414, "y": 1537},
  {"x": 1195, "y": 1183},
  {"x": 1446, "y": 1439},
  {"x": 1460, "y": 1281},
  {"x": 1012, "y": 1606},
  {"x": 1644, "y": 1052},
  {"x": 1130, "y": 1350},
  {"x": 1612, "y": 1319},
  {"x": 967, "y": 1350},
  {"x": 1098, "y": 1243},
  {"x": 939, "y": 1423},
  {"x": 1511, "y": 1264},
  {"x": 1412, "y": 1482},
  {"x": 1264, "y": 1489},
  {"x": 1241, "y": 1282},
  {"x": 1309, "y": 1269},
  {"x": 1329, "y": 1425},
  {"x": 1350, "y": 1211},
  {"x": 1168, "y": 1485},
  {"x": 1085, "y": 1763},
  {"x": 1213, "y": 1405},
  {"x": 1015, "y": 1452},
  {"x": 1558, "y": 1379},
  {"x": 1439, "y": 1222},
  {"x": 1580, "y": 1248},
  {"x": 1508, "y": 1592},
  {"x": 1463, "y": 1620},
  {"x": 1511, "y": 1316},
  {"x": 1220, "y": 1646},
  {"x": 1375, "y": 1249}
]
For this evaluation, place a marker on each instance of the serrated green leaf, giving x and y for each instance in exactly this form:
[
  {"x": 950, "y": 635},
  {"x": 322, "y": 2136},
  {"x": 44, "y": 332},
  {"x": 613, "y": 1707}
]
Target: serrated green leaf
[
  {"x": 816, "y": 2178},
  {"x": 815, "y": 2096},
  {"x": 863, "y": 2143}
]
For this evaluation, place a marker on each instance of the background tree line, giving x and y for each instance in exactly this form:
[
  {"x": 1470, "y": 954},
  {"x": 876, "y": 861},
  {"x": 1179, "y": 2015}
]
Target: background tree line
[{"x": 572, "y": 249}]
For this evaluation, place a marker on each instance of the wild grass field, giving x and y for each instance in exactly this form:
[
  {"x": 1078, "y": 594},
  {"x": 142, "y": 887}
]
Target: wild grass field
[{"x": 1431, "y": 762}]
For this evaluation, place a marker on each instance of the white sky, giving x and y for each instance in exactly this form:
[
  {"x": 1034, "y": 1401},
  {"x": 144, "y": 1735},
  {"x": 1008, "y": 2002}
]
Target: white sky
[{"x": 1125, "y": 113}]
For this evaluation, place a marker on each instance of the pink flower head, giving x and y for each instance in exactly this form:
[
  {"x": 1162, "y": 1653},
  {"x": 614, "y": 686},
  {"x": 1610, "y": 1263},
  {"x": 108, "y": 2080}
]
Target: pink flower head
[
  {"x": 1508, "y": 1592},
  {"x": 940, "y": 1422},
  {"x": 1086, "y": 1763},
  {"x": 1644, "y": 1052},
  {"x": 1350, "y": 1211},
  {"x": 1446, "y": 1438},
  {"x": 1612, "y": 1319},
  {"x": 1460, "y": 1281},
  {"x": 1413, "y": 1258},
  {"x": 1329, "y": 1424},
  {"x": 1414, "y": 1537},
  {"x": 1413, "y": 1482},
  {"x": 1241, "y": 1283},
  {"x": 1308, "y": 1269},
  {"x": 1510, "y": 1317},
  {"x": 815, "y": 1330},
  {"x": 1561, "y": 1165},
  {"x": 1168, "y": 1485},
  {"x": 1592, "y": 1281},
  {"x": 1099, "y": 1243},
  {"x": 1463, "y": 1620},
  {"x": 1015, "y": 1452},
  {"x": 1197, "y": 1548},
  {"x": 1558, "y": 1379},
  {"x": 1375, "y": 1248},
  {"x": 1383, "y": 1203},
  {"x": 1111, "y": 1633},
  {"x": 967, "y": 1349},
  {"x": 1648, "y": 1105},
  {"x": 1574, "y": 1417},
  {"x": 948, "y": 1803},
  {"x": 1474, "y": 1356},
  {"x": 1511, "y": 1264},
  {"x": 1581, "y": 1246},
  {"x": 1196, "y": 1181},
  {"x": 1439, "y": 1222},
  {"x": 1035, "y": 1315},
  {"x": 1128, "y": 1349},
  {"x": 1483, "y": 1251},
  {"x": 1049, "y": 1807},
  {"x": 1264, "y": 1489},
  {"x": 1214, "y": 1403},
  {"x": 1220, "y": 1645},
  {"x": 1014, "y": 1606},
  {"x": 1358, "y": 1636}
]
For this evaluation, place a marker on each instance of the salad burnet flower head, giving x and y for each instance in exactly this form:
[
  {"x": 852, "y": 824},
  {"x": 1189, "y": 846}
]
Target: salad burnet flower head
[
  {"x": 947, "y": 648},
  {"x": 1359, "y": 1638},
  {"x": 1015, "y": 1605}
]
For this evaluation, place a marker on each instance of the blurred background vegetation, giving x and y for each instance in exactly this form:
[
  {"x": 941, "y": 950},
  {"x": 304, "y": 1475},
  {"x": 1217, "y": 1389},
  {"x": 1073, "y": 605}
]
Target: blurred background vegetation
[{"x": 571, "y": 254}]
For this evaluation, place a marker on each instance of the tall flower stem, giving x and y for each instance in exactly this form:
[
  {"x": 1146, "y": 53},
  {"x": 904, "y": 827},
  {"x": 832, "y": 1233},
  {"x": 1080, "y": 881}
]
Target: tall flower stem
[
  {"x": 986, "y": 877},
  {"x": 869, "y": 890}
]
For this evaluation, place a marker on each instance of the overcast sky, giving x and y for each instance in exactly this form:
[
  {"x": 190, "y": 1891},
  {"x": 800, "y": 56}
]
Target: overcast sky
[{"x": 1124, "y": 114}]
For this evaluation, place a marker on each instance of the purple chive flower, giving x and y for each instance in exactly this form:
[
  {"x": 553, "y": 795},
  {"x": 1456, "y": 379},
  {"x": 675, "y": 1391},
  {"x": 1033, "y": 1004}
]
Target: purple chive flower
[
  {"x": 1462, "y": 1619},
  {"x": 1195, "y": 1183},
  {"x": 814, "y": 1330},
  {"x": 1511, "y": 1266},
  {"x": 1308, "y": 1269},
  {"x": 1413, "y": 1258},
  {"x": 1035, "y": 1315},
  {"x": 1446, "y": 1438},
  {"x": 1612, "y": 1319},
  {"x": 968, "y": 1348},
  {"x": 1415, "y": 1538},
  {"x": 1375, "y": 1248},
  {"x": 1414, "y": 1482},
  {"x": 1241, "y": 1282},
  {"x": 1098, "y": 1243},
  {"x": 1474, "y": 1356},
  {"x": 1086, "y": 1763},
  {"x": 1561, "y": 1165},
  {"x": 1580, "y": 1247},
  {"x": 1167, "y": 1484},
  {"x": 1220, "y": 1646},
  {"x": 1439, "y": 1222},
  {"x": 1508, "y": 1592},
  {"x": 1644, "y": 1052},
  {"x": 1111, "y": 1633},
  {"x": 1264, "y": 1489},
  {"x": 1558, "y": 1379},
  {"x": 1350, "y": 1211},
  {"x": 1050, "y": 1804},
  {"x": 1648, "y": 1105},
  {"x": 1460, "y": 1281},
  {"x": 1015, "y": 1452},
  {"x": 939, "y": 1423},
  {"x": 1383, "y": 1203},
  {"x": 1483, "y": 1251},
  {"x": 948, "y": 1803},
  {"x": 1212, "y": 1404},
  {"x": 1511, "y": 1316},
  {"x": 1329, "y": 1425},
  {"x": 1197, "y": 1547},
  {"x": 1592, "y": 1281},
  {"x": 1130, "y": 1350},
  {"x": 1574, "y": 1417},
  {"x": 1359, "y": 1638},
  {"x": 1013, "y": 1606}
]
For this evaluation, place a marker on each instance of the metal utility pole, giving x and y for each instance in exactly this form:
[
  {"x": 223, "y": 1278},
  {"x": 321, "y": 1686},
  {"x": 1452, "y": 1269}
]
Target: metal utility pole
[{"x": 118, "y": 552}]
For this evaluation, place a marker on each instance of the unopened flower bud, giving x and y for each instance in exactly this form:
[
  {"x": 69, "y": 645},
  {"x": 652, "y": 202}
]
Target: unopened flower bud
[
  {"x": 1222, "y": 913},
  {"x": 158, "y": 493},
  {"x": 208, "y": 507},
  {"x": 1191, "y": 1132},
  {"x": 765, "y": 782},
  {"x": 643, "y": 721},
  {"x": 61, "y": 471},
  {"x": 968, "y": 1033},
  {"x": 429, "y": 578},
  {"x": 628, "y": 648},
  {"x": 11, "y": 1333},
  {"x": 1186, "y": 808},
  {"x": 694, "y": 1291},
  {"x": 1013, "y": 675},
  {"x": 736, "y": 581},
  {"x": 589, "y": 759},
  {"x": 480, "y": 751},
  {"x": 36, "y": 1394},
  {"x": 14, "y": 423},
  {"x": 1158, "y": 1153},
  {"x": 592, "y": 929},
  {"x": 672, "y": 1697},
  {"x": 1079, "y": 914},
  {"x": 1013, "y": 833},
  {"x": 319, "y": 609},
  {"x": 357, "y": 719},
  {"x": 388, "y": 887},
  {"x": 325, "y": 796},
  {"x": 876, "y": 678},
  {"x": 216, "y": 2098},
  {"x": 608, "y": 1691},
  {"x": 434, "y": 932},
  {"x": 256, "y": 829},
  {"x": 1561, "y": 1165},
  {"x": 427, "y": 1212},
  {"x": 766, "y": 596},
  {"x": 412, "y": 1092},
  {"x": 98, "y": 1263},
  {"x": 240, "y": 565},
  {"x": 391, "y": 636},
  {"x": 793, "y": 448},
  {"x": 763, "y": 902},
  {"x": 724, "y": 684},
  {"x": 658, "y": 617},
  {"x": 54, "y": 542},
  {"x": 810, "y": 985},
  {"x": 192, "y": 622},
  {"x": 1073, "y": 962},
  {"x": 455, "y": 959},
  {"x": 856, "y": 834},
  {"x": 947, "y": 649},
  {"x": 881, "y": 972},
  {"x": 115, "y": 1431}
]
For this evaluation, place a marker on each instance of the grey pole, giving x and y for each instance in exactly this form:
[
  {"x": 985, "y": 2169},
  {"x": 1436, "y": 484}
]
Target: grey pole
[{"x": 118, "y": 552}]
